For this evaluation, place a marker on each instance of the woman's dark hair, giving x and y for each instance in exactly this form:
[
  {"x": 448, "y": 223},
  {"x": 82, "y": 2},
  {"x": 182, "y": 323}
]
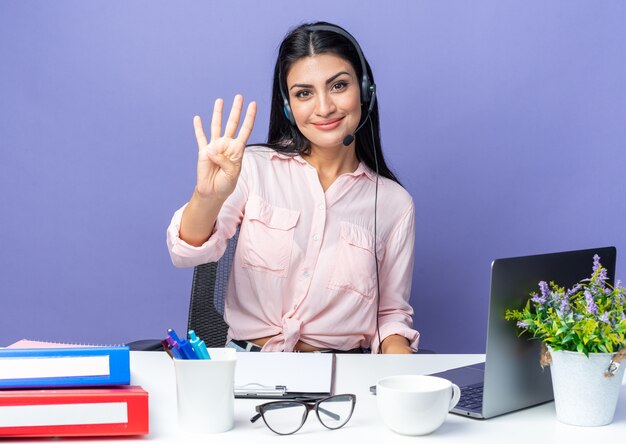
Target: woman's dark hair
[{"x": 304, "y": 42}]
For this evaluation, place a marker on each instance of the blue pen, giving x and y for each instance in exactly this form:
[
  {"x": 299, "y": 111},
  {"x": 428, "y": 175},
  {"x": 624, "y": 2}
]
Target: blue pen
[
  {"x": 198, "y": 345},
  {"x": 183, "y": 346}
]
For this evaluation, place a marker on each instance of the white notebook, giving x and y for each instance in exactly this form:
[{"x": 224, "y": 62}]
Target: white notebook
[{"x": 283, "y": 375}]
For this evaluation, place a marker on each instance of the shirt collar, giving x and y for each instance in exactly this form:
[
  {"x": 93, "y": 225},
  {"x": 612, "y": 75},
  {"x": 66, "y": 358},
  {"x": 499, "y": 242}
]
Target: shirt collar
[
  {"x": 362, "y": 169},
  {"x": 296, "y": 157}
]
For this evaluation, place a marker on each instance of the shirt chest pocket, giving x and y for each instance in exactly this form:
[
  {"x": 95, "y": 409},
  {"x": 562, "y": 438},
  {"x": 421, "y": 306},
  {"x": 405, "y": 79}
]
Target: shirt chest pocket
[
  {"x": 268, "y": 237},
  {"x": 355, "y": 265}
]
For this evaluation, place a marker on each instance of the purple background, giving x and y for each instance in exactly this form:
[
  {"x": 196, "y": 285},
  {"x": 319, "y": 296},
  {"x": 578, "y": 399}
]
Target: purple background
[{"x": 505, "y": 120}]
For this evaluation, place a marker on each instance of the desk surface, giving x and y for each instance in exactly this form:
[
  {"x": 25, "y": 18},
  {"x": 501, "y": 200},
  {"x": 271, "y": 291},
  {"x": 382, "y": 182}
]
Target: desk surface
[{"x": 355, "y": 374}]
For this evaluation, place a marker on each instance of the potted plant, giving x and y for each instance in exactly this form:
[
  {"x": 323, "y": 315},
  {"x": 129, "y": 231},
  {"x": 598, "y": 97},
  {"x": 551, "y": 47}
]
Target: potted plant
[{"x": 584, "y": 330}]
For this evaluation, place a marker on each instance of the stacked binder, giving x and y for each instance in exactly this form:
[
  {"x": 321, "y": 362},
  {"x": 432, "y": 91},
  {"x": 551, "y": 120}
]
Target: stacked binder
[{"x": 70, "y": 391}]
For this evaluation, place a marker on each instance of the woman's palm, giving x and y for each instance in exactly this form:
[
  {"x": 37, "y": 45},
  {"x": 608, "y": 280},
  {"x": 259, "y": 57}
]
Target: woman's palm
[{"x": 219, "y": 161}]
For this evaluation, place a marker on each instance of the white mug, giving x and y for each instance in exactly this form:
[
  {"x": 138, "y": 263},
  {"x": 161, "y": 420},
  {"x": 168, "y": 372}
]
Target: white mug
[
  {"x": 205, "y": 392},
  {"x": 415, "y": 404}
]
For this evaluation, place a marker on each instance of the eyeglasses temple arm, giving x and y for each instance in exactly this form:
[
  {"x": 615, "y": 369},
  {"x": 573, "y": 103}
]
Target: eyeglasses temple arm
[{"x": 335, "y": 416}]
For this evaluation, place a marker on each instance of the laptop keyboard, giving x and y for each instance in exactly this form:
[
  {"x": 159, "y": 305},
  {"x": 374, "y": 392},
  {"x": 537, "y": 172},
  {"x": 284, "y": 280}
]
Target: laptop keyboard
[{"x": 471, "y": 397}]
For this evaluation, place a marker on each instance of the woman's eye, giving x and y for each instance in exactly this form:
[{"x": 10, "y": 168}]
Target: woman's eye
[
  {"x": 303, "y": 94},
  {"x": 339, "y": 86}
]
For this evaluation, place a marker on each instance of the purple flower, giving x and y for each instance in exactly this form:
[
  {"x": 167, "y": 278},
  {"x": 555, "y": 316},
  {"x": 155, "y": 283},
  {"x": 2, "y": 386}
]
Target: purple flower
[
  {"x": 573, "y": 290},
  {"x": 602, "y": 275},
  {"x": 537, "y": 299},
  {"x": 522, "y": 324},
  {"x": 604, "y": 318},
  {"x": 545, "y": 293},
  {"x": 596, "y": 262},
  {"x": 564, "y": 307},
  {"x": 545, "y": 290},
  {"x": 591, "y": 305}
]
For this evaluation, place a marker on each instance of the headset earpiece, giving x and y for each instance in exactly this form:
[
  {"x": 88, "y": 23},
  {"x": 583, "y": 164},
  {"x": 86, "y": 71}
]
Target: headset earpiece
[
  {"x": 366, "y": 89},
  {"x": 287, "y": 111}
]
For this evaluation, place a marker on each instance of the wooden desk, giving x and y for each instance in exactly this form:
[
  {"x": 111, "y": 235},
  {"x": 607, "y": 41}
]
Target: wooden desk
[{"x": 355, "y": 374}]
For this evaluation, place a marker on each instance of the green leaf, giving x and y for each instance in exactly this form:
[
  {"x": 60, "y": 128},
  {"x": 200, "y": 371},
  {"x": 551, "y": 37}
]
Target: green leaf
[
  {"x": 567, "y": 338},
  {"x": 562, "y": 330}
]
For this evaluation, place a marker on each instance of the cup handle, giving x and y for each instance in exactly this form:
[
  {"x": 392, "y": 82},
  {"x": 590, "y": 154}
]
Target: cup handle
[{"x": 456, "y": 395}]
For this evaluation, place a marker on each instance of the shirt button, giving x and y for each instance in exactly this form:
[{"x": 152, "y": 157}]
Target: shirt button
[
  {"x": 316, "y": 237},
  {"x": 321, "y": 207},
  {"x": 306, "y": 274},
  {"x": 295, "y": 306}
]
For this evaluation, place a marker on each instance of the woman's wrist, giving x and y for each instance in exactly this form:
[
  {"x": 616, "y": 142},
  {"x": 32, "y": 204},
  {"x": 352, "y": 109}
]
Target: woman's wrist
[
  {"x": 396, "y": 344},
  {"x": 209, "y": 200},
  {"x": 198, "y": 219}
]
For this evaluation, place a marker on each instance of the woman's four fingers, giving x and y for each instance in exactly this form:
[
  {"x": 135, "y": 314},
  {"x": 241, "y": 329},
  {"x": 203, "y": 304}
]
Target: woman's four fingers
[
  {"x": 231, "y": 125},
  {"x": 219, "y": 161}
]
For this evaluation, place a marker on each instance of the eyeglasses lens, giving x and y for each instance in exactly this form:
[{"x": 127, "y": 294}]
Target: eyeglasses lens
[
  {"x": 335, "y": 411},
  {"x": 284, "y": 417}
]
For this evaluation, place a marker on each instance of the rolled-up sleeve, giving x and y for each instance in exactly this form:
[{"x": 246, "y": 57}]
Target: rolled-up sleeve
[
  {"x": 396, "y": 270},
  {"x": 229, "y": 218},
  {"x": 185, "y": 255}
]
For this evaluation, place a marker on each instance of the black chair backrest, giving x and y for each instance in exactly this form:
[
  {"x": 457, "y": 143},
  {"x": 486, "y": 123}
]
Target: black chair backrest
[{"x": 208, "y": 292}]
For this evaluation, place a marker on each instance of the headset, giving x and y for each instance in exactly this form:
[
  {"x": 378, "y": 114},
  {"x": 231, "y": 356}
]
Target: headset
[
  {"x": 368, "y": 97},
  {"x": 368, "y": 89}
]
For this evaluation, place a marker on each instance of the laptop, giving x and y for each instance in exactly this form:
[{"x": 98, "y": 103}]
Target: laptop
[{"x": 511, "y": 378}]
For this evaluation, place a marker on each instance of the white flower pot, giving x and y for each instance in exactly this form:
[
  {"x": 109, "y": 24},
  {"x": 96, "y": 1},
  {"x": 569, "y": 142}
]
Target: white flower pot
[{"x": 583, "y": 395}]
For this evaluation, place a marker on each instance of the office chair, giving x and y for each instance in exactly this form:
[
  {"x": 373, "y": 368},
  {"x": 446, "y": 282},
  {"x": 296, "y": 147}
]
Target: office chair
[
  {"x": 206, "y": 303},
  {"x": 208, "y": 292}
]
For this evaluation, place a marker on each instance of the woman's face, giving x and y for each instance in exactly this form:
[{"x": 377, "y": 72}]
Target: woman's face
[{"x": 325, "y": 98}]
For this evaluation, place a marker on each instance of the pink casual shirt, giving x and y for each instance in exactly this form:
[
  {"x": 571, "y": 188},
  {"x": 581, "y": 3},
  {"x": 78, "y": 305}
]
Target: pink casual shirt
[{"x": 304, "y": 267}]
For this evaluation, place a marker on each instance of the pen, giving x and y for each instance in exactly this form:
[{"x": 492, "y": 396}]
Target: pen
[
  {"x": 172, "y": 348},
  {"x": 198, "y": 345},
  {"x": 254, "y": 389},
  {"x": 183, "y": 346},
  {"x": 175, "y": 349}
]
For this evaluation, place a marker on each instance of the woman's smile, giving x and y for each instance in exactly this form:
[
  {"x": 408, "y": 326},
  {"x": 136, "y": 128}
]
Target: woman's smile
[{"x": 328, "y": 125}]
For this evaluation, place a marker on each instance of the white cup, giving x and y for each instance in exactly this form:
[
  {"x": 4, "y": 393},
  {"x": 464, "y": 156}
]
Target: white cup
[
  {"x": 205, "y": 392},
  {"x": 415, "y": 404}
]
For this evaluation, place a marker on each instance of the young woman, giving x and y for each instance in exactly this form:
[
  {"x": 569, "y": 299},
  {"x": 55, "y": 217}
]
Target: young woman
[{"x": 324, "y": 258}]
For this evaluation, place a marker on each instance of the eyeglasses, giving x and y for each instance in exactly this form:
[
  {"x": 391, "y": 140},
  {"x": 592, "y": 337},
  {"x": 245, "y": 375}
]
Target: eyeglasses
[{"x": 287, "y": 417}]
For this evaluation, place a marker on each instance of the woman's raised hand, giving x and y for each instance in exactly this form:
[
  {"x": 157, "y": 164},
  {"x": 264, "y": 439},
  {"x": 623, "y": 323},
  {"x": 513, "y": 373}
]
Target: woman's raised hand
[{"x": 219, "y": 161}]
